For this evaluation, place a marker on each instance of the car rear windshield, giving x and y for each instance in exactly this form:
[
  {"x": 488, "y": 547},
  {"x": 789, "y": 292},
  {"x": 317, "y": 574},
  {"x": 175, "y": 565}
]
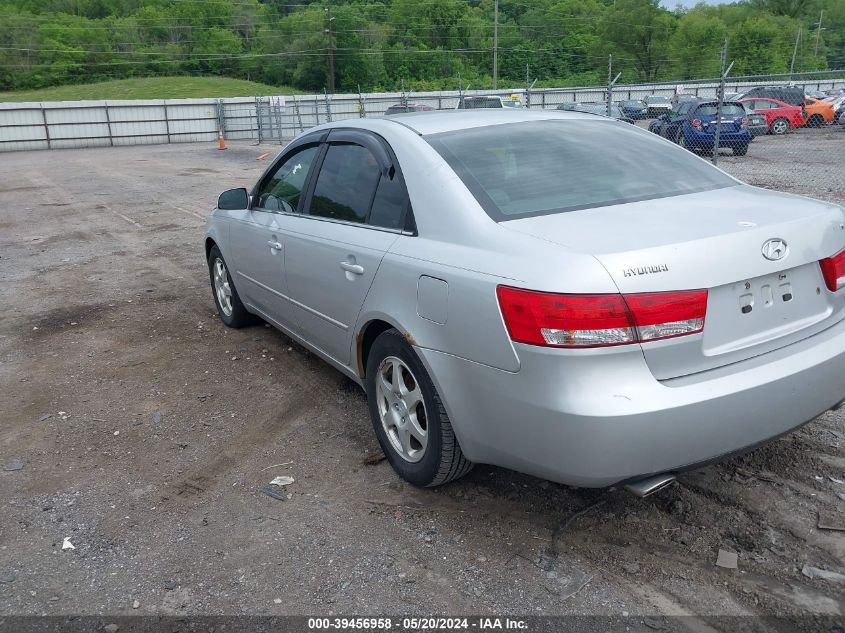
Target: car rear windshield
[
  {"x": 542, "y": 167},
  {"x": 728, "y": 110}
]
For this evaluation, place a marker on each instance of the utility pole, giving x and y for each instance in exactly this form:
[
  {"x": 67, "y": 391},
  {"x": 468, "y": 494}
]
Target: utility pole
[
  {"x": 818, "y": 32},
  {"x": 794, "y": 53},
  {"x": 331, "y": 48},
  {"x": 495, "y": 44}
]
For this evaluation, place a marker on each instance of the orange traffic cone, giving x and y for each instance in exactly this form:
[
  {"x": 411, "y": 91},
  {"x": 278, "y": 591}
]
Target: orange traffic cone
[
  {"x": 221, "y": 142},
  {"x": 263, "y": 156}
]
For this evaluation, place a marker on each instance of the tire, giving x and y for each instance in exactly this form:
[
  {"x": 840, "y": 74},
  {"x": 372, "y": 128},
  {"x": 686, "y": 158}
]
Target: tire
[
  {"x": 780, "y": 127},
  {"x": 817, "y": 120},
  {"x": 740, "y": 150},
  {"x": 681, "y": 139},
  {"x": 231, "y": 311},
  {"x": 440, "y": 459}
]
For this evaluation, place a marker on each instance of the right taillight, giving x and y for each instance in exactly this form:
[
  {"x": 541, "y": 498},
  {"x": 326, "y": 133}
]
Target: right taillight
[
  {"x": 599, "y": 320},
  {"x": 833, "y": 270}
]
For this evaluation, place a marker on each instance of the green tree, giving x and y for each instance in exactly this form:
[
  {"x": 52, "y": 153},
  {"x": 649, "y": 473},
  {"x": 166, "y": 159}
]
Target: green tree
[
  {"x": 641, "y": 31},
  {"x": 696, "y": 45}
]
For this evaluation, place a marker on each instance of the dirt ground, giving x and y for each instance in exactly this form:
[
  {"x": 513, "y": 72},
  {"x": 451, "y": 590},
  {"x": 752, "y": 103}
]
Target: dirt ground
[{"x": 137, "y": 426}]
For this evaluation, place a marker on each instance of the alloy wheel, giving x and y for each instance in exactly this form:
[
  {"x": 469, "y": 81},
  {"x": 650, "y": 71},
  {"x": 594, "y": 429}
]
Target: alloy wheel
[
  {"x": 401, "y": 409},
  {"x": 222, "y": 288}
]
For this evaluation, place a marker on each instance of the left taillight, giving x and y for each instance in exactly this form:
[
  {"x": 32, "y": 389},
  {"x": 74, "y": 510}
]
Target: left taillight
[
  {"x": 744, "y": 122},
  {"x": 599, "y": 320},
  {"x": 833, "y": 270}
]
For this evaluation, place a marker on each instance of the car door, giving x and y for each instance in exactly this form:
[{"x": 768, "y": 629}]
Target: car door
[
  {"x": 675, "y": 121},
  {"x": 356, "y": 210},
  {"x": 257, "y": 238}
]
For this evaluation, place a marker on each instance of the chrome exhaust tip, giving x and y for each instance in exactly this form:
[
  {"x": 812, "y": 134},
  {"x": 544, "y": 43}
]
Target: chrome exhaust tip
[{"x": 649, "y": 485}]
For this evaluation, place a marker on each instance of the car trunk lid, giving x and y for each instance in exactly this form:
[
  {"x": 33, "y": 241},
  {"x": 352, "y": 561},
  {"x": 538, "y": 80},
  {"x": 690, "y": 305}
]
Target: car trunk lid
[
  {"x": 731, "y": 120},
  {"x": 715, "y": 241}
]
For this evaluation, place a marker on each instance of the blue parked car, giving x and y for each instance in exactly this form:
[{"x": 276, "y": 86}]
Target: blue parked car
[{"x": 693, "y": 126}]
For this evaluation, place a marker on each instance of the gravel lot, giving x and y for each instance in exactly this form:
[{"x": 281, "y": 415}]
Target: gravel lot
[{"x": 138, "y": 426}]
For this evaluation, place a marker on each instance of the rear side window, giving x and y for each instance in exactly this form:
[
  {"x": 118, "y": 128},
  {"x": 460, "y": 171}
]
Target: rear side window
[
  {"x": 346, "y": 184},
  {"x": 541, "y": 167},
  {"x": 389, "y": 203}
]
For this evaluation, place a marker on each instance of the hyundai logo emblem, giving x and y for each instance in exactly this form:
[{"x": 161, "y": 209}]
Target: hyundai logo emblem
[{"x": 775, "y": 249}]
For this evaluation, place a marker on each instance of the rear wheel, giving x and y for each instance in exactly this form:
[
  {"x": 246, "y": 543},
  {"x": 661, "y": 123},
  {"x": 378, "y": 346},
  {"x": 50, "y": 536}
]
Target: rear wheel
[
  {"x": 740, "y": 150},
  {"x": 681, "y": 139},
  {"x": 817, "y": 120},
  {"x": 408, "y": 417},
  {"x": 779, "y": 127}
]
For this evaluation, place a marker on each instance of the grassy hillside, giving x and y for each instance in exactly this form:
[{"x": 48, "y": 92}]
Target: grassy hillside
[{"x": 151, "y": 88}]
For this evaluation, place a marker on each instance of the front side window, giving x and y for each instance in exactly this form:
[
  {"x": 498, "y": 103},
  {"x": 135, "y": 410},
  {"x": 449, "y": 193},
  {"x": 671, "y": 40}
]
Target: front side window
[
  {"x": 542, "y": 167},
  {"x": 283, "y": 189},
  {"x": 346, "y": 183}
]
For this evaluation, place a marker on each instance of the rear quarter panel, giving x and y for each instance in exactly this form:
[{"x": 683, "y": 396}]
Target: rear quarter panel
[{"x": 460, "y": 244}]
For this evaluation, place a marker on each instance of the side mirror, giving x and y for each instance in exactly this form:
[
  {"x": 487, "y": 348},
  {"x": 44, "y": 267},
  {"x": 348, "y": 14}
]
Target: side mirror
[{"x": 233, "y": 200}]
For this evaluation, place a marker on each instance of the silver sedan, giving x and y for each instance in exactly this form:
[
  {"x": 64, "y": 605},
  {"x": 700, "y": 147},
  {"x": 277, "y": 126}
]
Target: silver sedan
[{"x": 553, "y": 292}]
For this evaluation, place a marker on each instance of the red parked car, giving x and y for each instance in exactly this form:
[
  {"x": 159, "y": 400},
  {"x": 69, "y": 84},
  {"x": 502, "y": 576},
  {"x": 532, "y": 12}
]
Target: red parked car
[{"x": 780, "y": 117}]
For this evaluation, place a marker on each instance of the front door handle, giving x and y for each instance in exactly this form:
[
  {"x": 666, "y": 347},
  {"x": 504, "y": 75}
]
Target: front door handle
[
  {"x": 355, "y": 269},
  {"x": 276, "y": 246}
]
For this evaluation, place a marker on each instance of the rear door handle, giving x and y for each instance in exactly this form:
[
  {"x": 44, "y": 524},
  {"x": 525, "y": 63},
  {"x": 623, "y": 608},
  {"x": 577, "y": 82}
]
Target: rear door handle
[
  {"x": 355, "y": 269},
  {"x": 276, "y": 246}
]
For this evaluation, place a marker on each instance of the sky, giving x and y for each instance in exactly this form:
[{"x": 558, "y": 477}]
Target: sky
[{"x": 671, "y": 4}]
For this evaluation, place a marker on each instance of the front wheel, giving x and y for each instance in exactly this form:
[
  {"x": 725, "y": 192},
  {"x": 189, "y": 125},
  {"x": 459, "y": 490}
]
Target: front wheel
[
  {"x": 817, "y": 120},
  {"x": 408, "y": 416},
  {"x": 229, "y": 307}
]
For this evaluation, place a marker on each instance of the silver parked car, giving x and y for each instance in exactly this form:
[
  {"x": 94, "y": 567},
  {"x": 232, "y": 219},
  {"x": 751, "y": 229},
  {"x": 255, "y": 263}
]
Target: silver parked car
[{"x": 553, "y": 292}]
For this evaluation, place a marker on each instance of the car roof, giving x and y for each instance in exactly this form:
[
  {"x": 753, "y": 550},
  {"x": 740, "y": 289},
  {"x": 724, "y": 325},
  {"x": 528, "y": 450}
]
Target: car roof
[{"x": 437, "y": 121}]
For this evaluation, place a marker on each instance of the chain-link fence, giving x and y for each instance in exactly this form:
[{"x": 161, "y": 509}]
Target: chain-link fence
[
  {"x": 774, "y": 131},
  {"x": 785, "y": 132}
]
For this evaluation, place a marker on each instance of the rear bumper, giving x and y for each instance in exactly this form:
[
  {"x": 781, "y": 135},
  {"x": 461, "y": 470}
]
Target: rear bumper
[
  {"x": 598, "y": 418},
  {"x": 726, "y": 139}
]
